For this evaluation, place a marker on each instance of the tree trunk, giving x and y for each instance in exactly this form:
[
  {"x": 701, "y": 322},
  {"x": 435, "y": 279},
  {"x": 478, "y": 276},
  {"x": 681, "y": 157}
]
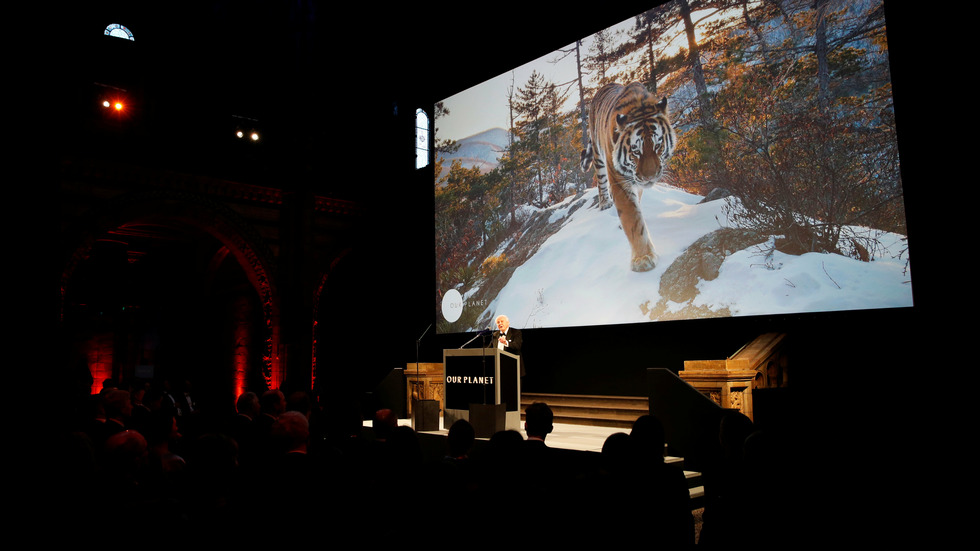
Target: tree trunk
[
  {"x": 694, "y": 53},
  {"x": 820, "y": 49}
]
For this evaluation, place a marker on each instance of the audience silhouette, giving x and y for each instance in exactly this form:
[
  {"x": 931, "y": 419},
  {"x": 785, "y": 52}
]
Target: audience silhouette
[{"x": 330, "y": 469}]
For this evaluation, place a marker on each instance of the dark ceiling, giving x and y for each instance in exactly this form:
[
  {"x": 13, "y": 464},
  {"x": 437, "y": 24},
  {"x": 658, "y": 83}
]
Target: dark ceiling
[
  {"x": 323, "y": 81},
  {"x": 308, "y": 60}
]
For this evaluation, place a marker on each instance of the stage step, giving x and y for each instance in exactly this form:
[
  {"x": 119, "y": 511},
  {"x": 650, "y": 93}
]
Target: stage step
[
  {"x": 696, "y": 489},
  {"x": 602, "y": 411}
]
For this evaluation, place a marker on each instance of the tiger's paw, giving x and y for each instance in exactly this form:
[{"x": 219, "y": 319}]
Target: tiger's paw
[
  {"x": 604, "y": 201},
  {"x": 644, "y": 263},
  {"x": 602, "y": 205}
]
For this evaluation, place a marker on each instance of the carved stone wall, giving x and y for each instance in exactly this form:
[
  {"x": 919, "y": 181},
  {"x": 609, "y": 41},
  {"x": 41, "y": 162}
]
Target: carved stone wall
[
  {"x": 727, "y": 382},
  {"x": 426, "y": 381}
]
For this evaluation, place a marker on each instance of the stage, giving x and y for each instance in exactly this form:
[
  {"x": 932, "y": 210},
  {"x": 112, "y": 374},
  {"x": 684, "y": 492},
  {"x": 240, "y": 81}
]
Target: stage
[{"x": 569, "y": 437}]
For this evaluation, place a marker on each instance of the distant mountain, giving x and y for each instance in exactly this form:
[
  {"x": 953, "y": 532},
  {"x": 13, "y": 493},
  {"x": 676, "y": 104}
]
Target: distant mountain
[{"x": 481, "y": 150}]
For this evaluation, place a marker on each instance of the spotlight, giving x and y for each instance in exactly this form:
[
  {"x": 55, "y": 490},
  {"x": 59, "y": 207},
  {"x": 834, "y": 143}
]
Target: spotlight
[
  {"x": 113, "y": 100},
  {"x": 252, "y": 135},
  {"x": 246, "y": 127},
  {"x": 115, "y": 105}
]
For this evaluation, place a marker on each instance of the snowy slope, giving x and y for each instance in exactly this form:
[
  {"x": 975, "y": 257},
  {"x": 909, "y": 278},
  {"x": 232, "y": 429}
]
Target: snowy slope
[{"x": 581, "y": 275}]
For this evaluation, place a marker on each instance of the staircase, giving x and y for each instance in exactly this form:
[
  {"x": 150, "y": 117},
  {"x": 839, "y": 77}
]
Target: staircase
[
  {"x": 609, "y": 411},
  {"x": 694, "y": 486},
  {"x": 600, "y": 411}
]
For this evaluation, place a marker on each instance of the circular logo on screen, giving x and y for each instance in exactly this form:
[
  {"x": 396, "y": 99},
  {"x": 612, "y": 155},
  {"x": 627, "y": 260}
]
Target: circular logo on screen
[{"x": 452, "y": 305}]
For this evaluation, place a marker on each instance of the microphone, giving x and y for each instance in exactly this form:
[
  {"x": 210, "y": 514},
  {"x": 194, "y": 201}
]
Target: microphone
[{"x": 478, "y": 335}]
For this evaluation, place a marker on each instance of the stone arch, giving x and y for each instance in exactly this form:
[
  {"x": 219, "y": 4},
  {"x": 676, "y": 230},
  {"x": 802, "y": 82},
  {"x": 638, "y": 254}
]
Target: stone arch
[
  {"x": 206, "y": 214},
  {"x": 321, "y": 287}
]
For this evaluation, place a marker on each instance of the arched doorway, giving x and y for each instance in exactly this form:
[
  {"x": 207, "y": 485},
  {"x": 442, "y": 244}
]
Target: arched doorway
[{"x": 171, "y": 287}]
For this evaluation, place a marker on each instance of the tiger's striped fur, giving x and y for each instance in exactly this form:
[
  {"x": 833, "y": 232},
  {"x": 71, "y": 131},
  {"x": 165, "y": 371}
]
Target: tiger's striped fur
[{"x": 632, "y": 130}]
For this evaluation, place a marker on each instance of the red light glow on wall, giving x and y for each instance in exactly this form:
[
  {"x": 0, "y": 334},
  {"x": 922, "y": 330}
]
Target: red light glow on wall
[{"x": 98, "y": 355}]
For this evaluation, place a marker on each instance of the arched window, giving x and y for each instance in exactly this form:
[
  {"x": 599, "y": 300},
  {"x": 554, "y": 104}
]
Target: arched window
[
  {"x": 118, "y": 31},
  {"x": 421, "y": 138}
]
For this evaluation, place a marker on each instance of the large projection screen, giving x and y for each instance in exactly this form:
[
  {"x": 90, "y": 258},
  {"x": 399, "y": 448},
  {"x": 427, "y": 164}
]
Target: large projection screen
[{"x": 779, "y": 193}]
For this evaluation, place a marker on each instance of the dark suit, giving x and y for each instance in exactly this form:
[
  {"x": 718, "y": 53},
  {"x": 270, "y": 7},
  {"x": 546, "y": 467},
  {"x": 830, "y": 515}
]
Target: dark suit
[{"x": 514, "y": 340}]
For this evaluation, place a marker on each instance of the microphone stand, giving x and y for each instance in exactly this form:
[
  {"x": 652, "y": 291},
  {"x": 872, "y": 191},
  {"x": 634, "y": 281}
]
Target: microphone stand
[
  {"x": 478, "y": 335},
  {"x": 417, "y": 344},
  {"x": 418, "y": 399},
  {"x": 484, "y": 356}
]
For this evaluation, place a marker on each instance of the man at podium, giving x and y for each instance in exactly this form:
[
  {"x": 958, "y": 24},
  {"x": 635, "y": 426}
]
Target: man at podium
[{"x": 508, "y": 338}]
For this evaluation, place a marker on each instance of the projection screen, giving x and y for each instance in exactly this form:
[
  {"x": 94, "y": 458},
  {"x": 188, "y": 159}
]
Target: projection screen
[{"x": 752, "y": 170}]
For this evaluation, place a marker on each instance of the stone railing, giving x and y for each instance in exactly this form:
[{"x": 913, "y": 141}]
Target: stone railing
[{"x": 729, "y": 382}]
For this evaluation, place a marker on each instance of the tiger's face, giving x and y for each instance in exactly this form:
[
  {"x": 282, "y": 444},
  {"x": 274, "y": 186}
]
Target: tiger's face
[{"x": 643, "y": 137}]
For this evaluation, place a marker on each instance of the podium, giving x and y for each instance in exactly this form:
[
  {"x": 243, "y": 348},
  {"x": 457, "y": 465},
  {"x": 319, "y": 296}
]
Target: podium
[{"x": 483, "y": 386}]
